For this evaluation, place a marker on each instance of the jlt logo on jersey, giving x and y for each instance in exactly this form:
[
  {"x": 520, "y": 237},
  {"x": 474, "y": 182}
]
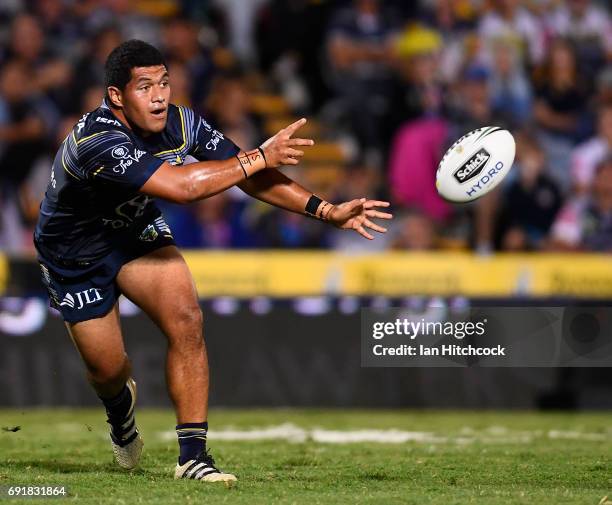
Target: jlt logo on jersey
[{"x": 86, "y": 297}]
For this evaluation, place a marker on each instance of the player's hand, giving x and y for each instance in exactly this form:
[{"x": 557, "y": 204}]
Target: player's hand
[
  {"x": 282, "y": 149},
  {"x": 356, "y": 214}
]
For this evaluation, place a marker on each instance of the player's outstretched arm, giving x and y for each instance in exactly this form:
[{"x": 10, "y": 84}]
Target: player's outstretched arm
[
  {"x": 275, "y": 188},
  {"x": 202, "y": 179}
]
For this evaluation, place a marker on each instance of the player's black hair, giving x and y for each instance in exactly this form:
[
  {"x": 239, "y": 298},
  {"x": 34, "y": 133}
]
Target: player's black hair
[{"x": 126, "y": 56}]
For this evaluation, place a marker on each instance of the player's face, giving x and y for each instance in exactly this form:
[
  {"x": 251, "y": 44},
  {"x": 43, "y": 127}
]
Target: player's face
[{"x": 146, "y": 98}]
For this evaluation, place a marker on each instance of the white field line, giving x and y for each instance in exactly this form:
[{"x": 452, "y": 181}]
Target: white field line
[
  {"x": 577, "y": 435},
  {"x": 291, "y": 433}
]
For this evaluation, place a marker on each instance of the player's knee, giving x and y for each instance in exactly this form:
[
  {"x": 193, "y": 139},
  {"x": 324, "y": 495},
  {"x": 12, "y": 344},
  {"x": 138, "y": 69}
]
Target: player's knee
[
  {"x": 187, "y": 325},
  {"x": 109, "y": 373}
]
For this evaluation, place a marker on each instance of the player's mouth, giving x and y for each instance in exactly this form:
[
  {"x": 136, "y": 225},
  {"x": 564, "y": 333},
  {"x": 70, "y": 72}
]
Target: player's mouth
[{"x": 160, "y": 112}]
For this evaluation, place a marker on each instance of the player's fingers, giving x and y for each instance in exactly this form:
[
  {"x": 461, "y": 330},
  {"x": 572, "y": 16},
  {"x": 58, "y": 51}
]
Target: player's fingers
[
  {"x": 380, "y": 215},
  {"x": 357, "y": 203},
  {"x": 290, "y": 161},
  {"x": 294, "y": 153},
  {"x": 300, "y": 142},
  {"x": 375, "y": 203},
  {"x": 292, "y": 128},
  {"x": 364, "y": 233},
  {"x": 374, "y": 226}
]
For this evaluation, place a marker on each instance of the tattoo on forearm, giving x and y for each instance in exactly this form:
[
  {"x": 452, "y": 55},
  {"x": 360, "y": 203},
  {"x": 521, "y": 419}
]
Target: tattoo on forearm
[
  {"x": 263, "y": 154},
  {"x": 248, "y": 158}
]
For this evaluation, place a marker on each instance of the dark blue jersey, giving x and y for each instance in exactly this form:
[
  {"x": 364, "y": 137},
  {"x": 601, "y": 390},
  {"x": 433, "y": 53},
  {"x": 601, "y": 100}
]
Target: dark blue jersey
[{"x": 93, "y": 197}]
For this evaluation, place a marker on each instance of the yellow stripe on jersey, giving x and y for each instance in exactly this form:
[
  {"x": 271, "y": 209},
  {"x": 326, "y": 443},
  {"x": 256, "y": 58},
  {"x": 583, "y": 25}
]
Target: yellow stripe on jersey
[
  {"x": 184, "y": 137},
  {"x": 89, "y": 136},
  {"x": 64, "y": 164}
]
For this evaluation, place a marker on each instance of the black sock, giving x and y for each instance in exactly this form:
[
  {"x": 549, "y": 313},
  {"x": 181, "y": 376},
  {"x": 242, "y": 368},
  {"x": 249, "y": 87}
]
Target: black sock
[
  {"x": 119, "y": 416},
  {"x": 191, "y": 439}
]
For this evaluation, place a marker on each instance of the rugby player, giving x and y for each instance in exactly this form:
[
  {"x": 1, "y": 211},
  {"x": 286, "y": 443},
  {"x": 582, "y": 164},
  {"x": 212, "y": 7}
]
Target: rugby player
[{"x": 100, "y": 235}]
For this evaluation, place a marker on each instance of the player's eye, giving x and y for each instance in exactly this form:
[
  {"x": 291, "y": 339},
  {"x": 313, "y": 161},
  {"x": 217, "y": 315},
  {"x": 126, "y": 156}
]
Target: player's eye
[
  {"x": 145, "y": 87},
  {"x": 163, "y": 84}
]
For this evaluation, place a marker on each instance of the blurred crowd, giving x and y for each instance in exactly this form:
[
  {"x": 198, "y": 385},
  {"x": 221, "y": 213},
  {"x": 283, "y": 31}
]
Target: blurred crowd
[{"x": 387, "y": 86}]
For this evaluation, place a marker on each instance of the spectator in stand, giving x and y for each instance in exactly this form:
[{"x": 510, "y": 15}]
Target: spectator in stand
[
  {"x": 22, "y": 142},
  {"x": 89, "y": 69},
  {"x": 416, "y": 151},
  {"x": 588, "y": 155},
  {"x": 181, "y": 44},
  {"x": 561, "y": 93},
  {"x": 417, "y": 90},
  {"x": 180, "y": 82},
  {"x": 227, "y": 108},
  {"x": 559, "y": 111},
  {"x": 60, "y": 26},
  {"x": 300, "y": 25},
  {"x": 414, "y": 231},
  {"x": 585, "y": 222},
  {"x": 421, "y": 130},
  {"x": 359, "y": 43},
  {"x": 23, "y": 130},
  {"x": 50, "y": 74},
  {"x": 531, "y": 202},
  {"x": 514, "y": 24},
  {"x": 124, "y": 14},
  {"x": 510, "y": 89},
  {"x": 472, "y": 106},
  {"x": 240, "y": 17},
  {"x": 589, "y": 27},
  {"x": 455, "y": 21}
]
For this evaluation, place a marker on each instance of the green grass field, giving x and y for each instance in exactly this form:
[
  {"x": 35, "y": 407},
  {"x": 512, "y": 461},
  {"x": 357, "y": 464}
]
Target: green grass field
[{"x": 457, "y": 458}]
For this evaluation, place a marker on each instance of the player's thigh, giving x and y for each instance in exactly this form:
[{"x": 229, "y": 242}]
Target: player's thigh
[
  {"x": 161, "y": 284},
  {"x": 100, "y": 343}
]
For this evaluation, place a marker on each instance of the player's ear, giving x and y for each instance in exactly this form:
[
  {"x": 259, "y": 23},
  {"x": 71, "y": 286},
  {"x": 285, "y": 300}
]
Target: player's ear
[{"x": 115, "y": 96}]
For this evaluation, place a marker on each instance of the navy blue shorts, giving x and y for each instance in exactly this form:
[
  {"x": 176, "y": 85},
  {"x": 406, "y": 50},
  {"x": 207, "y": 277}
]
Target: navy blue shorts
[{"x": 88, "y": 291}]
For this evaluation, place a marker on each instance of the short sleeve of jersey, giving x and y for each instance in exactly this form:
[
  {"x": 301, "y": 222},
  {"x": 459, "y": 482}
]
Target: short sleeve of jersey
[
  {"x": 112, "y": 157},
  {"x": 209, "y": 143}
]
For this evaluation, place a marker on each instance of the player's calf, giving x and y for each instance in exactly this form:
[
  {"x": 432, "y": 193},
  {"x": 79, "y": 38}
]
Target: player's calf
[{"x": 125, "y": 438}]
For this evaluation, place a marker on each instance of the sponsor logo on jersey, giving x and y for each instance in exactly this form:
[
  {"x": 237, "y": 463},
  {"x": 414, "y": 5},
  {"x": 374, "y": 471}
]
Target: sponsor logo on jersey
[
  {"x": 472, "y": 167},
  {"x": 215, "y": 137},
  {"x": 207, "y": 127},
  {"x": 85, "y": 297},
  {"x": 149, "y": 234},
  {"x": 105, "y": 120},
  {"x": 126, "y": 159}
]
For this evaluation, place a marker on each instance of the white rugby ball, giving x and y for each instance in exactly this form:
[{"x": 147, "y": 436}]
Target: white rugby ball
[{"x": 475, "y": 164}]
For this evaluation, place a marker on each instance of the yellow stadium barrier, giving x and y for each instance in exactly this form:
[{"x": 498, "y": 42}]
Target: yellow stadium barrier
[{"x": 286, "y": 274}]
